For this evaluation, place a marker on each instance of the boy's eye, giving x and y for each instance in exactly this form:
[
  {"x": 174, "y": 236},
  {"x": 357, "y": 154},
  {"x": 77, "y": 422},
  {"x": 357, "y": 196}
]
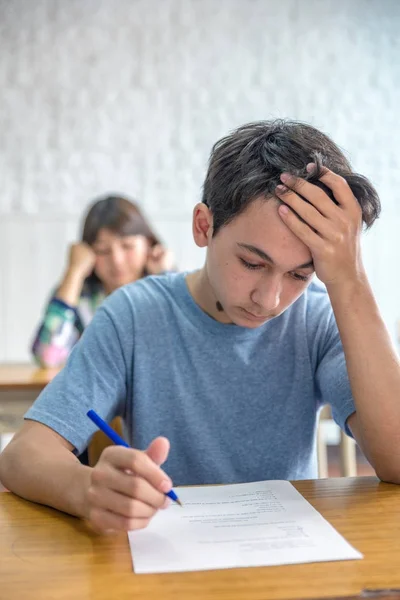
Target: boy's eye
[
  {"x": 299, "y": 277},
  {"x": 250, "y": 266}
]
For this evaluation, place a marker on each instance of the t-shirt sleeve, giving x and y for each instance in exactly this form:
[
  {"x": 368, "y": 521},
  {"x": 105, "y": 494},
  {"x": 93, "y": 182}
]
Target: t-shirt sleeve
[
  {"x": 95, "y": 376},
  {"x": 332, "y": 379}
]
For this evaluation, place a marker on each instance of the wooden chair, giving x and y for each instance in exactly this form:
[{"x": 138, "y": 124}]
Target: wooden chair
[
  {"x": 100, "y": 441},
  {"x": 348, "y": 461}
]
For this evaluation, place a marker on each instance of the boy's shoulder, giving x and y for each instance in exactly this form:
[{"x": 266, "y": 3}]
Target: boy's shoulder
[
  {"x": 317, "y": 293},
  {"x": 155, "y": 287},
  {"x": 147, "y": 294},
  {"x": 319, "y": 317}
]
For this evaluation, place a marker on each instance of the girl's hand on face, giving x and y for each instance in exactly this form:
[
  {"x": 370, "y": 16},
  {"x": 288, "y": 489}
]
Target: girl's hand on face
[
  {"x": 81, "y": 259},
  {"x": 160, "y": 259}
]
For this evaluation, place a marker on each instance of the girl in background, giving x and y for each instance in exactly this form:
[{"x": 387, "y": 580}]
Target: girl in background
[{"x": 118, "y": 246}]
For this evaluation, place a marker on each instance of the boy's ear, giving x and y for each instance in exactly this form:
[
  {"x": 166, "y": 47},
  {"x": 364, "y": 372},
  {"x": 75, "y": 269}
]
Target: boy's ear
[{"x": 202, "y": 225}]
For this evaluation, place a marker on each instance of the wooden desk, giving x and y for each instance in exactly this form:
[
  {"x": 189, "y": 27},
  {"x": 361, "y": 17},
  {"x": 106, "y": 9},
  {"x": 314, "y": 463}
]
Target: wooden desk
[
  {"x": 19, "y": 387},
  {"x": 47, "y": 555},
  {"x": 24, "y": 377}
]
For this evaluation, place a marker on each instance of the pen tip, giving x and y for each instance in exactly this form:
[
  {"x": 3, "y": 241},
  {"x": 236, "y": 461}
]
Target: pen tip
[{"x": 179, "y": 502}]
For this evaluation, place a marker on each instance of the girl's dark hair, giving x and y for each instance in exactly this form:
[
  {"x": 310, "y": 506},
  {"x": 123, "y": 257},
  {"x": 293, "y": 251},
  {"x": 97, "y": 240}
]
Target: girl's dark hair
[
  {"x": 121, "y": 216},
  {"x": 247, "y": 164}
]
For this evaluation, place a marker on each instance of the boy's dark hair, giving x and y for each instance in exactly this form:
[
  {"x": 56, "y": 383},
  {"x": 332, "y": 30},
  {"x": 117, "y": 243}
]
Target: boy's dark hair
[{"x": 247, "y": 164}]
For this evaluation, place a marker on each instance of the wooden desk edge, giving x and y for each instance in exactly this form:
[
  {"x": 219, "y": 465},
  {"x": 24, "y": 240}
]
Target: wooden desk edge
[{"x": 23, "y": 385}]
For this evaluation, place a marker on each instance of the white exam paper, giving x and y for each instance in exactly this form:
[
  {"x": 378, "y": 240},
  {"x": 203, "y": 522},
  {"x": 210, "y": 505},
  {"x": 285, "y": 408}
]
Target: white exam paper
[{"x": 242, "y": 525}]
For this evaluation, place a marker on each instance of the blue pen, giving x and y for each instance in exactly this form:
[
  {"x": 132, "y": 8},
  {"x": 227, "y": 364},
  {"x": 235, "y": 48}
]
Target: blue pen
[{"x": 113, "y": 435}]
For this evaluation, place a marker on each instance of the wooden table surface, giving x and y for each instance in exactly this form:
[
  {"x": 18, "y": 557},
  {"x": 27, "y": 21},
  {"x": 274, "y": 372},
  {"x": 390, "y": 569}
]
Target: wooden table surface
[
  {"x": 47, "y": 555},
  {"x": 25, "y": 377}
]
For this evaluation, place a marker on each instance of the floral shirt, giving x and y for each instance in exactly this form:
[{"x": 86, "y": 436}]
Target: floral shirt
[{"x": 63, "y": 325}]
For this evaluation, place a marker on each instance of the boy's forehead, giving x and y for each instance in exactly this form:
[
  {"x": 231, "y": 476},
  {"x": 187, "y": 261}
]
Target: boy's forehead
[
  {"x": 260, "y": 215},
  {"x": 260, "y": 225}
]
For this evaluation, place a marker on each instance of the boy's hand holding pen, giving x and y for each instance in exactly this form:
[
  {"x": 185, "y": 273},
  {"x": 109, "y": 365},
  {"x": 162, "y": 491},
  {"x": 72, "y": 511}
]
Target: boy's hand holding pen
[{"x": 127, "y": 486}]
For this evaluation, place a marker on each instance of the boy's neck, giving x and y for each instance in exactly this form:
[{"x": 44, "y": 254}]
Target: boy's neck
[{"x": 202, "y": 293}]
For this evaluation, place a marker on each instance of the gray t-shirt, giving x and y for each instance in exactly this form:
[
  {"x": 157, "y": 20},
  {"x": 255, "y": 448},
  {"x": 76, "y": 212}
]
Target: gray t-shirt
[{"x": 237, "y": 404}]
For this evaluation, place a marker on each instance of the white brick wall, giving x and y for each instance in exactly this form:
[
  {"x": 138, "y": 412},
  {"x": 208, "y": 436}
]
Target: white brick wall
[{"x": 129, "y": 95}]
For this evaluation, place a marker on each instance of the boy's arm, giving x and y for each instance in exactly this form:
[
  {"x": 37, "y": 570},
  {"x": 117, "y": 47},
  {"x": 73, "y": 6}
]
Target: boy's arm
[
  {"x": 38, "y": 464},
  {"x": 126, "y": 487},
  {"x": 332, "y": 233},
  {"x": 374, "y": 374},
  {"x": 122, "y": 492}
]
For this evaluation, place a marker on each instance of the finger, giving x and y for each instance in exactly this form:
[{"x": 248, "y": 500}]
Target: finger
[
  {"x": 339, "y": 186},
  {"x": 158, "y": 450},
  {"x": 128, "y": 485},
  {"x": 121, "y": 504},
  {"x": 128, "y": 459},
  {"x": 104, "y": 520},
  {"x": 97, "y": 530},
  {"x": 301, "y": 230},
  {"x": 317, "y": 197},
  {"x": 305, "y": 211},
  {"x": 157, "y": 251}
]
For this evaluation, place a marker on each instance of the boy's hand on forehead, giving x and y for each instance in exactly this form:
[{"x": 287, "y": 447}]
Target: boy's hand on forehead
[{"x": 331, "y": 231}]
